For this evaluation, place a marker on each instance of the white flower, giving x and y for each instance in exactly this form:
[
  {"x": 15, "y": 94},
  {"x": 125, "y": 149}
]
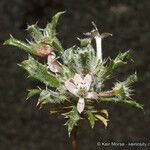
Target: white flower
[
  {"x": 80, "y": 87},
  {"x": 98, "y": 38}
]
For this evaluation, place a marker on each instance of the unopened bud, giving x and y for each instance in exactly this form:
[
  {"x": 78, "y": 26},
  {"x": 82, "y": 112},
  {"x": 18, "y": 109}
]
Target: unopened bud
[{"x": 44, "y": 50}]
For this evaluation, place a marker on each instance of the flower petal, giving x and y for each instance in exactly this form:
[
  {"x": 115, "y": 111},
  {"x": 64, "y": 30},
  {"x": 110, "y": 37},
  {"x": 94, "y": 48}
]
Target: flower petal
[
  {"x": 77, "y": 79},
  {"x": 53, "y": 69},
  {"x": 51, "y": 57},
  {"x": 105, "y": 34},
  {"x": 53, "y": 64},
  {"x": 92, "y": 95},
  {"x": 99, "y": 47},
  {"x": 88, "y": 80},
  {"x": 81, "y": 105},
  {"x": 57, "y": 65},
  {"x": 70, "y": 87}
]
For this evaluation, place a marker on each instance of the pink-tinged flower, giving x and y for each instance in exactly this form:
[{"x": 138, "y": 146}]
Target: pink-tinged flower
[
  {"x": 80, "y": 88},
  {"x": 54, "y": 65}
]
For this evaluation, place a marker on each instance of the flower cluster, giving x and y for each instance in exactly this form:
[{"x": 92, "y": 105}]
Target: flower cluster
[{"x": 75, "y": 77}]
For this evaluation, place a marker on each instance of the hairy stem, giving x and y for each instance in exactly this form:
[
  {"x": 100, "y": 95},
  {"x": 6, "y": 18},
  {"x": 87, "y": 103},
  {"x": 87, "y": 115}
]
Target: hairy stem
[{"x": 74, "y": 138}]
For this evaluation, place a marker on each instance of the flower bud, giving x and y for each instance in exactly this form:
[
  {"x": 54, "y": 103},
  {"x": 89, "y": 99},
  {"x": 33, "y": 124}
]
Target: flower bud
[{"x": 44, "y": 50}]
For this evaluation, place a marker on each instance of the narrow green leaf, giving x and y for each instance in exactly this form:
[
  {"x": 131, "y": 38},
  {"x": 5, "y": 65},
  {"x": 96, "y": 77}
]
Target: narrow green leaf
[
  {"x": 117, "y": 101},
  {"x": 55, "y": 19},
  {"x": 50, "y": 29},
  {"x": 122, "y": 57},
  {"x": 91, "y": 118},
  {"x": 120, "y": 60},
  {"x": 26, "y": 47},
  {"x": 40, "y": 72},
  {"x": 57, "y": 45},
  {"x": 33, "y": 92}
]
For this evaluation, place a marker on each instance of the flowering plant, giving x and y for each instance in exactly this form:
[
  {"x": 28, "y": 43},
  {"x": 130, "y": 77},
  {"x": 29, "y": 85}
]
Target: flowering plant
[{"x": 74, "y": 78}]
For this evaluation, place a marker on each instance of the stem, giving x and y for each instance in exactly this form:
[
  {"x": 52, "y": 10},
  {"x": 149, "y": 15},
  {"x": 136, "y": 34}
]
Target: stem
[{"x": 74, "y": 138}]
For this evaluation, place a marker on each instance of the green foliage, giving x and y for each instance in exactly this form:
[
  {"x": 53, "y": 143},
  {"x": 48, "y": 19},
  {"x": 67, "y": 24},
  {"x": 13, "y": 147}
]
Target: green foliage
[
  {"x": 50, "y": 29},
  {"x": 94, "y": 115},
  {"x": 55, "y": 43},
  {"x": 35, "y": 33},
  {"x": 91, "y": 118},
  {"x": 48, "y": 96},
  {"x": 123, "y": 101},
  {"x": 120, "y": 60},
  {"x": 39, "y": 36},
  {"x": 85, "y": 42},
  {"x": 122, "y": 89},
  {"x": 33, "y": 92},
  {"x": 50, "y": 33},
  {"x": 104, "y": 70},
  {"x": 130, "y": 80},
  {"x": 102, "y": 119},
  {"x": 73, "y": 120},
  {"x": 40, "y": 72},
  {"x": 14, "y": 42},
  {"x": 80, "y": 60}
]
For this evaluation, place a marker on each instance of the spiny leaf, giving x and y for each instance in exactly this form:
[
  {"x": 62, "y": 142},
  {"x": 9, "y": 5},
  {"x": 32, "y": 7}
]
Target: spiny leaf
[
  {"x": 14, "y": 42},
  {"x": 117, "y": 101},
  {"x": 50, "y": 29},
  {"x": 120, "y": 60},
  {"x": 102, "y": 119},
  {"x": 67, "y": 73},
  {"x": 91, "y": 118},
  {"x": 48, "y": 96},
  {"x": 33, "y": 92},
  {"x": 134, "y": 104},
  {"x": 72, "y": 60},
  {"x": 55, "y": 19},
  {"x": 122, "y": 57},
  {"x": 40, "y": 72},
  {"x": 57, "y": 45},
  {"x": 131, "y": 79},
  {"x": 35, "y": 32},
  {"x": 74, "y": 117},
  {"x": 123, "y": 89},
  {"x": 79, "y": 60},
  {"x": 50, "y": 33},
  {"x": 87, "y": 58}
]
